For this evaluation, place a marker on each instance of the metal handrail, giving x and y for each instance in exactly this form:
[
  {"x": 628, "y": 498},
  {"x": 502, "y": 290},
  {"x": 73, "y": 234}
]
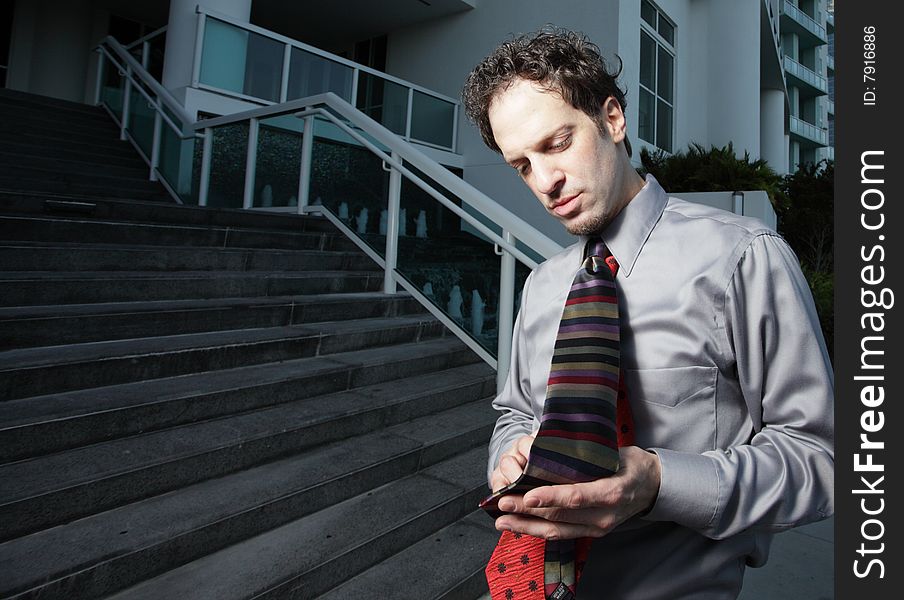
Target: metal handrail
[
  {"x": 145, "y": 38},
  {"x": 134, "y": 69},
  {"x": 472, "y": 196}
]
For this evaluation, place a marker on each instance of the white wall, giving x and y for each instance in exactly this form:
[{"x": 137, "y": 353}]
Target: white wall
[{"x": 440, "y": 54}]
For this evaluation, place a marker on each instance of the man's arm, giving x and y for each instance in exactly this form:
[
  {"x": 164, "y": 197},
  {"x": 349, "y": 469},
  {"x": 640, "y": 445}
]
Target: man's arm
[
  {"x": 516, "y": 422},
  {"x": 784, "y": 476}
]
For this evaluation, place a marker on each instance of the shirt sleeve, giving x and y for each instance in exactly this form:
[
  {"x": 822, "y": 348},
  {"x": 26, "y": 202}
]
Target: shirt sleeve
[
  {"x": 784, "y": 475},
  {"x": 517, "y": 418}
]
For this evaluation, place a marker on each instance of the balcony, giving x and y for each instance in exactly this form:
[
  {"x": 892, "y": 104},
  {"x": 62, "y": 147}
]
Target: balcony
[
  {"x": 794, "y": 20},
  {"x": 809, "y": 135},
  {"x": 831, "y": 107},
  {"x": 830, "y": 62},
  {"x": 250, "y": 63},
  {"x": 810, "y": 83}
]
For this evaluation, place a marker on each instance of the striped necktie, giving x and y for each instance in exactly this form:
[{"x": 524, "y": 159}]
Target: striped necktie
[{"x": 585, "y": 419}]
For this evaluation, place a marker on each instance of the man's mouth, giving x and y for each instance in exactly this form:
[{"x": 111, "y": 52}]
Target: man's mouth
[{"x": 566, "y": 205}]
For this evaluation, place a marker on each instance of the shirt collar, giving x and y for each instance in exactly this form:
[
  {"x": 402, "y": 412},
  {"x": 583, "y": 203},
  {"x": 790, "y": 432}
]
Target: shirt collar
[{"x": 628, "y": 232}]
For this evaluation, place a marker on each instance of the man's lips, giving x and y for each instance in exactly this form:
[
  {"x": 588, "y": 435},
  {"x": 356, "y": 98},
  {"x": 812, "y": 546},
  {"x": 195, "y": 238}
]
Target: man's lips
[{"x": 566, "y": 206}]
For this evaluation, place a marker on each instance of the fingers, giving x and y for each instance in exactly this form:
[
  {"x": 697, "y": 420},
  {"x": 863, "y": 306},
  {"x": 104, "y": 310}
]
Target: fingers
[
  {"x": 511, "y": 463},
  {"x": 550, "y": 530}
]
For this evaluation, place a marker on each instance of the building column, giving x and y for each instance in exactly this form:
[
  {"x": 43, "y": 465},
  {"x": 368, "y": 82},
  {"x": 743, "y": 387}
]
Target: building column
[
  {"x": 734, "y": 75},
  {"x": 772, "y": 129},
  {"x": 180, "y": 38}
]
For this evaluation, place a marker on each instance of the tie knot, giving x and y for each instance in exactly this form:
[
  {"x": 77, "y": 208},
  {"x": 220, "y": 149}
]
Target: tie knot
[{"x": 596, "y": 255}]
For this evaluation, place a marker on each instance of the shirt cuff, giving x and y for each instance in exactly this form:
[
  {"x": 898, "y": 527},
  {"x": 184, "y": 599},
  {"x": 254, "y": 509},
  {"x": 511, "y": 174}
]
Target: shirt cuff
[{"x": 688, "y": 490}]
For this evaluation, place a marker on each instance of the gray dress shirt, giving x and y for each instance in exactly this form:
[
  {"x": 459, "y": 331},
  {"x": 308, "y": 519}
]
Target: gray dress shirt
[{"x": 729, "y": 382}]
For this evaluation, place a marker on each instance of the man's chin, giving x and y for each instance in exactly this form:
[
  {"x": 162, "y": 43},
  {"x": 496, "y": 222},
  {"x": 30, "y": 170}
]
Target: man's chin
[{"x": 585, "y": 225}]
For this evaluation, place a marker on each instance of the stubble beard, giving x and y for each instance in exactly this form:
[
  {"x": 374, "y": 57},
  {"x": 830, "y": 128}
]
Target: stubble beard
[{"x": 592, "y": 225}]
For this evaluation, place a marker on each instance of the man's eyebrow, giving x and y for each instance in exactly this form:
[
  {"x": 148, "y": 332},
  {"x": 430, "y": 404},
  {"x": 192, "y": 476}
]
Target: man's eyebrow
[{"x": 542, "y": 141}]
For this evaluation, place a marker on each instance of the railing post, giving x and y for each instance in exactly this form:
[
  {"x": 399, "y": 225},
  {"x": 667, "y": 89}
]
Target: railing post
[
  {"x": 155, "y": 145},
  {"x": 355, "y": 76},
  {"x": 251, "y": 162},
  {"x": 126, "y": 102},
  {"x": 199, "y": 49},
  {"x": 408, "y": 115},
  {"x": 392, "y": 227},
  {"x": 145, "y": 54},
  {"x": 304, "y": 177},
  {"x": 506, "y": 312},
  {"x": 206, "y": 151},
  {"x": 284, "y": 84}
]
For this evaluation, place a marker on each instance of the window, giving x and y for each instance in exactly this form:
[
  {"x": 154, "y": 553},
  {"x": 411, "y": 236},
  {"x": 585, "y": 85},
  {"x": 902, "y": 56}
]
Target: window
[{"x": 656, "y": 113}]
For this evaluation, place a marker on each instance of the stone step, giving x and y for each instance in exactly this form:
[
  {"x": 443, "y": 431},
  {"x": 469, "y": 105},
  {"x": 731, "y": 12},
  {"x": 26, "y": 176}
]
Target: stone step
[
  {"x": 310, "y": 556},
  {"x": 9, "y": 97},
  {"x": 35, "y": 426},
  {"x": 59, "y": 140},
  {"x": 18, "y": 183},
  {"x": 30, "y": 326},
  {"x": 52, "y": 369},
  {"x": 91, "y": 231},
  {"x": 157, "y": 213},
  {"x": 446, "y": 565},
  {"x": 121, "y": 154},
  {"x": 30, "y": 288},
  {"x": 142, "y": 539},
  {"x": 63, "y": 256},
  {"x": 47, "y": 173},
  {"x": 18, "y": 120},
  {"x": 28, "y": 157}
]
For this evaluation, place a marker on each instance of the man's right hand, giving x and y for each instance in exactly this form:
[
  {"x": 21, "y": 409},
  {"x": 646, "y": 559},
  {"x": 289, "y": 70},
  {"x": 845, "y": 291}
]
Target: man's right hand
[{"x": 512, "y": 463}]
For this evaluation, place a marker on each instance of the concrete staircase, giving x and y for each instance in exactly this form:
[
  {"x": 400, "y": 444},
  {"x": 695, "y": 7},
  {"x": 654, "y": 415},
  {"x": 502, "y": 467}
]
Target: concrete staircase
[{"x": 200, "y": 403}]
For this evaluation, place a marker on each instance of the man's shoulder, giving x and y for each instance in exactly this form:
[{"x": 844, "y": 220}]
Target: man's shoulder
[{"x": 712, "y": 220}]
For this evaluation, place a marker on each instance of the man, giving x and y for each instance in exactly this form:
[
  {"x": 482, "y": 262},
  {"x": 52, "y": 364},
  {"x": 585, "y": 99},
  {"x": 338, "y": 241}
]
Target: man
[{"x": 726, "y": 371}]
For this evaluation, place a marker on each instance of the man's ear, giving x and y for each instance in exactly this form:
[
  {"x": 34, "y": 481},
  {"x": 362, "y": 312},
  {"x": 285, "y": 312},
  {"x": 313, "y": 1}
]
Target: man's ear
[{"x": 614, "y": 119}]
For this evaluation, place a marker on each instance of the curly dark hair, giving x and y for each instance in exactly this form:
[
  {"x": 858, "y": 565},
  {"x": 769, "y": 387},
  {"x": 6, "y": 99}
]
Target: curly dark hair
[{"x": 564, "y": 61}]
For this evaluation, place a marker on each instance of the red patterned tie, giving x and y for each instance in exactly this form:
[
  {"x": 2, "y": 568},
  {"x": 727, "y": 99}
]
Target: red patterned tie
[{"x": 585, "y": 419}]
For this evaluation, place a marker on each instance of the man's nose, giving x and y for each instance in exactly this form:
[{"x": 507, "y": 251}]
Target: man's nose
[{"x": 548, "y": 177}]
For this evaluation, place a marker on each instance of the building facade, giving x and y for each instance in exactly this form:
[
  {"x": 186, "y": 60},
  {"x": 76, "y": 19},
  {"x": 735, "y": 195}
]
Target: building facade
[{"x": 754, "y": 73}]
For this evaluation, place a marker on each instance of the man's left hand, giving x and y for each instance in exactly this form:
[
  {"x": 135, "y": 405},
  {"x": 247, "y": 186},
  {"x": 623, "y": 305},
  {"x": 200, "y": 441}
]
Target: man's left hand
[{"x": 590, "y": 509}]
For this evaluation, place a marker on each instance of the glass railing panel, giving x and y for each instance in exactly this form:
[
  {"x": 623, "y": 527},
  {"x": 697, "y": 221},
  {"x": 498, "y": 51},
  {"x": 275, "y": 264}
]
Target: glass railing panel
[
  {"x": 141, "y": 120},
  {"x": 350, "y": 181},
  {"x": 451, "y": 263},
  {"x": 241, "y": 61},
  {"x": 111, "y": 91},
  {"x": 311, "y": 74},
  {"x": 278, "y": 161},
  {"x": 229, "y": 153},
  {"x": 180, "y": 161},
  {"x": 432, "y": 119},
  {"x": 384, "y": 101}
]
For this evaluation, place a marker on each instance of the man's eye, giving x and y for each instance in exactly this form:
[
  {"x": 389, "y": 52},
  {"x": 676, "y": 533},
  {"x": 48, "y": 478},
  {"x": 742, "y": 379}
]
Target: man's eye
[
  {"x": 523, "y": 169},
  {"x": 561, "y": 144}
]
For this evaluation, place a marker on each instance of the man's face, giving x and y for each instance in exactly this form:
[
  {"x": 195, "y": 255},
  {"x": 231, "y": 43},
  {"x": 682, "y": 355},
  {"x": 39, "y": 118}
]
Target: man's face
[{"x": 575, "y": 171}]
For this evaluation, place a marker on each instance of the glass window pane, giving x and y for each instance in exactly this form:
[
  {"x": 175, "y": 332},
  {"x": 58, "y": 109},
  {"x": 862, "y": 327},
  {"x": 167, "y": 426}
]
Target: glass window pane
[
  {"x": 263, "y": 67},
  {"x": 664, "y": 126},
  {"x": 647, "y": 61},
  {"x": 432, "y": 120},
  {"x": 311, "y": 74},
  {"x": 648, "y": 13},
  {"x": 384, "y": 101},
  {"x": 665, "y": 74},
  {"x": 666, "y": 30},
  {"x": 223, "y": 56},
  {"x": 645, "y": 116}
]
